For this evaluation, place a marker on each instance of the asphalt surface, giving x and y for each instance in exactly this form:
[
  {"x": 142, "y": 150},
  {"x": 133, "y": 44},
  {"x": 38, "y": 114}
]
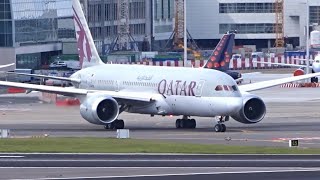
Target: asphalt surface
[{"x": 160, "y": 166}]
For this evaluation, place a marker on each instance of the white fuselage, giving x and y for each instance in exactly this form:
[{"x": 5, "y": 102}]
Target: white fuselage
[
  {"x": 316, "y": 64},
  {"x": 181, "y": 91}
]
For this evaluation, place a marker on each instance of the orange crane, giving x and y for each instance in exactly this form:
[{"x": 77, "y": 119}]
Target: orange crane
[
  {"x": 175, "y": 41},
  {"x": 279, "y": 26}
]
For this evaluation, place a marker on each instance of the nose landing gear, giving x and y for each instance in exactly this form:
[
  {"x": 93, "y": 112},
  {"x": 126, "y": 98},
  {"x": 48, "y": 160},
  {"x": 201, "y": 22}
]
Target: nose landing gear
[{"x": 220, "y": 126}]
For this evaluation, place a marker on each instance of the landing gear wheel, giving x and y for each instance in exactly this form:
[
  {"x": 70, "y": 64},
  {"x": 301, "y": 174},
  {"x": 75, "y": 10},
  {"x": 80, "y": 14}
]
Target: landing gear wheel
[
  {"x": 110, "y": 125},
  {"x": 193, "y": 123},
  {"x": 106, "y": 126},
  {"x": 218, "y": 128},
  {"x": 183, "y": 123},
  {"x": 314, "y": 80},
  {"x": 178, "y": 123},
  {"x": 118, "y": 124},
  {"x": 224, "y": 128}
]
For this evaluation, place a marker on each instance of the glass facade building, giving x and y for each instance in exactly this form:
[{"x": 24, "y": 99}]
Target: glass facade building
[
  {"x": 35, "y": 29},
  {"x": 246, "y": 8},
  {"x": 314, "y": 14},
  {"x": 5, "y": 24},
  {"x": 103, "y": 20}
]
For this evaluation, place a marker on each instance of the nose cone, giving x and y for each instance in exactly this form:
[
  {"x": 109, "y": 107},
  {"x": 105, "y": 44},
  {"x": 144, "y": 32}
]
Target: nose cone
[{"x": 316, "y": 67}]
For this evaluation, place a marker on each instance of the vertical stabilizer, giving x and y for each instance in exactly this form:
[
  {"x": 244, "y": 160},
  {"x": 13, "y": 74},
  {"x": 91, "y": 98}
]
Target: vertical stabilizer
[
  {"x": 88, "y": 54},
  {"x": 220, "y": 58}
]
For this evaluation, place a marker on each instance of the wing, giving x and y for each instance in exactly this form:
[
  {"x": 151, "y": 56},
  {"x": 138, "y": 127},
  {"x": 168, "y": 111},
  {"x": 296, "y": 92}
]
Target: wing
[
  {"x": 271, "y": 83},
  {"x": 123, "y": 95},
  {"x": 47, "y": 77},
  {"x": 282, "y": 64},
  {"x": 6, "y": 65}
]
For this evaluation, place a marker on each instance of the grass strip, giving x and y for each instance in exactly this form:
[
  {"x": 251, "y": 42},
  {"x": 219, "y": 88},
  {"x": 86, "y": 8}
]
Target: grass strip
[{"x": 111, "y": 145}]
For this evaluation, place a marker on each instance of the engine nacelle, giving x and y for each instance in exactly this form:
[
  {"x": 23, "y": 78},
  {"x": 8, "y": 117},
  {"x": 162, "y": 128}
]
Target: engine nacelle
[
  {"x": 99, "y": 109},
  {"x": 252, "y": 111},
  {"x": 298, "y": 72}
]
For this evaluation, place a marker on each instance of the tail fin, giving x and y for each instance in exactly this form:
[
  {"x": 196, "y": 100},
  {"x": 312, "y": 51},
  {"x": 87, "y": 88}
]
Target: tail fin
[
  {"x": 88, "y": 54},
  {"x": 220, "y": 58}
]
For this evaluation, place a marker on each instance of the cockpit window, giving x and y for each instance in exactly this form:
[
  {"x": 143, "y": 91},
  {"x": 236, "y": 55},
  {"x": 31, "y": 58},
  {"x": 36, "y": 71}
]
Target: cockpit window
[
  {"x": 219, "y": 88},
  {"x": 225, "y": 87},
  {"x": 234, "y": 88}
]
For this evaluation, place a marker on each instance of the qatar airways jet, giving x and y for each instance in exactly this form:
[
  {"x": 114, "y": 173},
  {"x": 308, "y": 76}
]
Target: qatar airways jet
[
  {"x": 106, "y": 90},
  {"x": 315, "y": 67}
]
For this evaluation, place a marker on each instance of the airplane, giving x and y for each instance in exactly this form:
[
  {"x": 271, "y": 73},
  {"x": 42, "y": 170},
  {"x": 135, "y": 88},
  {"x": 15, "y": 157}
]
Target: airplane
[
  {"x": 220, "y": 58},
  {"x": 6, "y": 65},
  {"x": 315, "y": 67},
  {"x": 107, "y": 90}
]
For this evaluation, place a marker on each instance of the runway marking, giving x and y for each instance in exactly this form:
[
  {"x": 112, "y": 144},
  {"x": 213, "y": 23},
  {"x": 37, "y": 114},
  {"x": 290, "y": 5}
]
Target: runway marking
[
  {"x": 298, "y": 138},
  {"x": 15, "y": 109},
  {"x": 157, "y": 154},
  {"x": 183, "y": 174},
  {"x": 12, "y": 156},
  {"x": 162, "y": 160}
]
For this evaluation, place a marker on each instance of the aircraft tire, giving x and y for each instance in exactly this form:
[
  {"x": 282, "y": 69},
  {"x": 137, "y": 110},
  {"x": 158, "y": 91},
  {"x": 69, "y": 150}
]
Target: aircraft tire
[
  {"x": 193, "y": 123},
  {"x": 314, "y": 80},
  {"x": 224, "y": 128},
  {"x": 178, "y": 123},
  {"x": 218, "y": 128},
  {"x": 118, "y": 124},
  {"x": 110, "y": 125},
  {"x": 183, "y": 123}
]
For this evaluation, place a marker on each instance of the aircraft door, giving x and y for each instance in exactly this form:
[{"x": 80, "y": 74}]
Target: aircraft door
[{"x": 198, "y": 91}]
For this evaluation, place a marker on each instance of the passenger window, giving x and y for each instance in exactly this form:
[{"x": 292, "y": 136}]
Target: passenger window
[{"x": 219, "y": 88}]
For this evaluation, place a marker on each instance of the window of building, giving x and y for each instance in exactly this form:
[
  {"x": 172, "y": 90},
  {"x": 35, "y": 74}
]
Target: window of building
[
  {"x": 314, "y": 14},
  {"x": 251, "y": 28},
  {"x": 246, "y": 8}
]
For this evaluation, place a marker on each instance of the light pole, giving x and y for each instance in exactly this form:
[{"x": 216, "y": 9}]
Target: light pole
[
  {"x": 185, "y": 33},
  {"x": 307, "y": 40}
]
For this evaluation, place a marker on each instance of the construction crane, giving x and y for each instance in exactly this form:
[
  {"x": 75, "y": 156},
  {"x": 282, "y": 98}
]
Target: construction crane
[
  {"x": 175, "y": 41},
  {"x": 279, "y": 26},
  {"x": 124, "y": 40}
]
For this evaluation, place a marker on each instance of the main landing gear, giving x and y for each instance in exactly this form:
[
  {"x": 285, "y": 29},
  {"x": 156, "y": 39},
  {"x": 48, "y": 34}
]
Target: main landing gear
[
  {"x": 314, "y": 80},
  {"x": 116, "y": 124},
  {"x": 186, "y": 123},
  {"x": 220, "y": 126}
]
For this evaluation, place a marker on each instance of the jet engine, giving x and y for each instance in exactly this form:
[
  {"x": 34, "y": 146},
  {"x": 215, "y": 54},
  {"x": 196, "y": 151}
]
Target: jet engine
[
  {"x": 298, "y": 72},
  {"x": 252, "y": 111},
  {"x": 99, "y": 109}
]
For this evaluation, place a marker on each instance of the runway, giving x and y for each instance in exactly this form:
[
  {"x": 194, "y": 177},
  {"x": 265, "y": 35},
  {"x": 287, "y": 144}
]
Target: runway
[{"x": 157, "y": 166}]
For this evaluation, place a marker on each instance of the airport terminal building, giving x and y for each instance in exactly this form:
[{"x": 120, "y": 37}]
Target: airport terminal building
[
  {"x": 255, "y": 21},
  {"x": 31, "y": 31}
]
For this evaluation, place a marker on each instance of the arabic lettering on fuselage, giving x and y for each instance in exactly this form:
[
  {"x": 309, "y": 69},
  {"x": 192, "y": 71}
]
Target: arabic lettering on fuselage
[
  {"x": 144, "y": 77},
  {"x": 176, "y": 87}
]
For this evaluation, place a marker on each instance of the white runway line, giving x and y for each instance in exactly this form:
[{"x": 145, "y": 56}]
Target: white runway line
[
  {"x": 183, "y": 174},
  {"x": 12, "y": 156}
]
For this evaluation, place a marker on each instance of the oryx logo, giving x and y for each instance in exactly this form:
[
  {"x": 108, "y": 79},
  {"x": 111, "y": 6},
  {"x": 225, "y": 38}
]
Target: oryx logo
[{"x": 83, "y": 43}]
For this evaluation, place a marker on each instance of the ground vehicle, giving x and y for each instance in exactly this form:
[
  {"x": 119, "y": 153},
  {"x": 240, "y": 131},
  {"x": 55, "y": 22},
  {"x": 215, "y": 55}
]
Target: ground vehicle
[
  {"x": 58, "y": 64},
  {"x": 257, "y": 54}
]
